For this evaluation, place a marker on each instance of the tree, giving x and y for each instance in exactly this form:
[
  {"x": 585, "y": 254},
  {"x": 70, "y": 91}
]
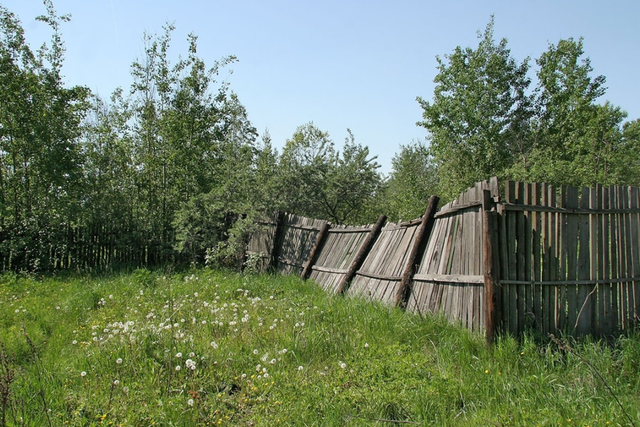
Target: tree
[
  {"x": 316, "y": 181},
  {"x": 631, "y": 144},
  {"x": 304, "y": 166},
  {"x": 41, "y": 177},
  {"x": 192, "y": 136},
  {"x": 351, "y": 182},
  {"x": 483, "y": 120},
  {"x": 413, "y": 179},
  {"x": 479, "y": 113},
  {"x": 575, "y": 140}
]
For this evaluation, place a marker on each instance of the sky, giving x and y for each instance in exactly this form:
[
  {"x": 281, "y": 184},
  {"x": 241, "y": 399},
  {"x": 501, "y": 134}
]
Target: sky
[{"x": 341, "y": 64}]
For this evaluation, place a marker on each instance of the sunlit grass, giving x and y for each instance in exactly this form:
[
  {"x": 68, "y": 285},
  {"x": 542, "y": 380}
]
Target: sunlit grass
[{"x": 219, "y": 348}]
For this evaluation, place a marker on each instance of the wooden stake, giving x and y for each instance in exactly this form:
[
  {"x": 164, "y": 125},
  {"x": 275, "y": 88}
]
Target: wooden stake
[
  {"x": 358, "y": 260},
  {"x": 419, "y": 245},
  {"x": 315, "y": 252},
  {"x": 491, "y": 267}
]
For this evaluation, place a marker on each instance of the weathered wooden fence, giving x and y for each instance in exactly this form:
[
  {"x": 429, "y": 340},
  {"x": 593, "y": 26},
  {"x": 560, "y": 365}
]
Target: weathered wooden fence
[
  {"x": 554, "y": 260},
  {"x": 450, "y": 277},
  {"x": 95, "y": 246},
  {"x": 569, "y": 259}
]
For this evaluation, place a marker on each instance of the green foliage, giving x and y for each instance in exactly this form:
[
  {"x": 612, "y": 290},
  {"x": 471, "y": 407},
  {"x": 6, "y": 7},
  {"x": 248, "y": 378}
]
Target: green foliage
[
  {"x": 484, "y": 120},
  {"x": 40, "y": 159},
  {"x": 413, "y": 179},
  {"x": 213, "y": 347},
  {"x": 317, "y": 181},
  {"x": 479, "y": 108},
  {"x": 576, "y": 140}
]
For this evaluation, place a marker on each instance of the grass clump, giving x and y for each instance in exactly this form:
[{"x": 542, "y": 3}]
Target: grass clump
[{"x": 212, "y": 348}]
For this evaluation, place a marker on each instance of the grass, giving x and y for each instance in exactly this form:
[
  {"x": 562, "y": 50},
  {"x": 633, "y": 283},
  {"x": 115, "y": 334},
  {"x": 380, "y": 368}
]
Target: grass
[{"x": 218, "y": 348}]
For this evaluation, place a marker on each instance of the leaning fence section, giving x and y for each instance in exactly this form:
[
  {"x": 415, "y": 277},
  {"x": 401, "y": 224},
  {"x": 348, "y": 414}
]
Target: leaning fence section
[
  {"x": 381, "y": 273},
  {"x": 262, "y": 242},
  {"x": 337, "y": 254},
  {"x": 297, "y": 239},
  {"x": 450, "y": 276}
]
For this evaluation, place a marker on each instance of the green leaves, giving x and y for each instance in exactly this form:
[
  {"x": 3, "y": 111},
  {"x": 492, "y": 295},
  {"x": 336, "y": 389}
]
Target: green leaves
[
  {"x": 413, "y": 180},
  {"x": 319, "y": 182},
  {"x": 485, "y": 120},
  {"x": 479, "y": 100}
]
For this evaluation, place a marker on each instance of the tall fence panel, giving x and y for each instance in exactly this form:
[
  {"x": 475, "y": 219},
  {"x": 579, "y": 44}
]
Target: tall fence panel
[
  {"x": 570, "y": 259},
  {"x": 449, "y": 278}
]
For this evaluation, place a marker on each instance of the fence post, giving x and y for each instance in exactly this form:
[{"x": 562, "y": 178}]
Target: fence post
[
  {"x": 277, "y": 243},
  {"x": 357, "y": 261},
  {"x": 491, "y": 266},
  {"x": 419, "y": 245},
  {"x": 315, "y": 252}
]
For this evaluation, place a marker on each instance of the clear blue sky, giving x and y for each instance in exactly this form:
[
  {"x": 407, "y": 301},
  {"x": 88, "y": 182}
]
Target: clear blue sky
[{"x": 339, "y": 63}]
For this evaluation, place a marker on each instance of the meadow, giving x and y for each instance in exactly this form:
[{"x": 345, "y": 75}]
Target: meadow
[{"x": 208, "y": 348}]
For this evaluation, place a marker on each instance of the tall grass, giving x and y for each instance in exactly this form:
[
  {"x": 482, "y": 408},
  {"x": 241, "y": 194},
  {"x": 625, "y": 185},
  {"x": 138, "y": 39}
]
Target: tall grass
[{"x": 219, "y": 348}]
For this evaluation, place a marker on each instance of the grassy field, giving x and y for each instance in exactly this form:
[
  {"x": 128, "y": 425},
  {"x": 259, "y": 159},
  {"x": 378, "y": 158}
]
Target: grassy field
[{"x": 217, "y": 348}]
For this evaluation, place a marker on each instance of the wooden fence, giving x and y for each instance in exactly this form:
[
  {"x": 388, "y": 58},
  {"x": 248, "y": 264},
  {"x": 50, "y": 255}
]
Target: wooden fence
[
  {"x": 96, "y": 246},
  {"x": 525, "y": 257}
]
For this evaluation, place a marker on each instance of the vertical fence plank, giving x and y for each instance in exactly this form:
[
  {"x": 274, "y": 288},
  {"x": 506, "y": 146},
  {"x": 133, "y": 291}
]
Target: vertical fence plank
[
  {"x": 625, "y": 256},
  {"x": 277, "y": 243},
  {"x": 360, "y": 257},
  {"x": 545, "y": 261},
  {"x": 536, "y": 255},
  {"x": 634, "y": 238},
  {"x": 611, "y": 268},
  {"x": 595, "y": 251},
  {"x": 570, "y": 242},
  {"x": 584, "y": 291},
  {"x": 511, "y": 261},
  {"x": 529, "y": 317},
  {"x": 491, "y": 269},
  {"x": 520, "y": 289},
  {"x": 555, "y": 231},
  {"x": 620, "y": 264}
]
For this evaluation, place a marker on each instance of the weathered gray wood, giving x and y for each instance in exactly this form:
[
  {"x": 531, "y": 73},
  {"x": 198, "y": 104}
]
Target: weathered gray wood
[
  {"x": 320, "y": 239},
  {"x": 584, "y": 292},
  {"x": 614, "y": 315},
  {"x": 577, "y": 211},
  {"x": 360, "y": 257},
  {"x": 328, "y": 269},
  {"x": 634, "y": 235},
  {"x": 536, "y": 225},
  {"x": 419, "y": 245},
  {"x": 449, "y": 278}
]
